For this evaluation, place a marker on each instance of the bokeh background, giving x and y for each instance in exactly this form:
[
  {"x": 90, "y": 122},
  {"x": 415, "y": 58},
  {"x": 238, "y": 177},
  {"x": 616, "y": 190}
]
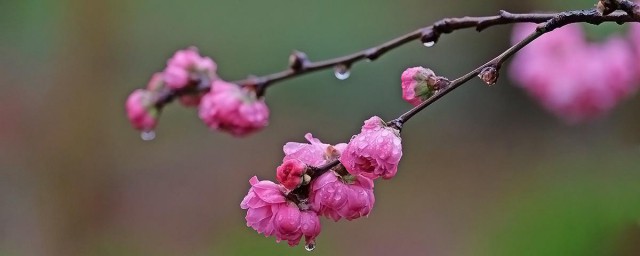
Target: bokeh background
[{"x": 485, "y": 171}]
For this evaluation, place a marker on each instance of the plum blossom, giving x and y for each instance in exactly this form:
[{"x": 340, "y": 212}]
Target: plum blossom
[
  {"x": 375, "y": 152},
  {"x": 271, "y": 214},
  {"x": 572, "y": 78},
  {"x": 187, "y": 65},
  {"x": 314, "y": 153},
  {"x": 142, "y": 113},
  {"x": 336, "y": 197},
  {"x": 230, "y": 108}
]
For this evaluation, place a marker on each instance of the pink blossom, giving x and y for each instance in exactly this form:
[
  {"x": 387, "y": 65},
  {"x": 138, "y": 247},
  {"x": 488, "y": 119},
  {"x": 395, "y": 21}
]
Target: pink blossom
[
  {"x": 262, "y": 203},
  {"x": 228, "y": 107},
  {"x": 187, "y": 65},
  {"x": 291, "y": 224},
  {"x": 335, "y": 197},
  {"x": 314, "y": 153},
  {"x": 141, "y": 111},
  {"x": 572, "y": 78},
  {"x": 375, "y": 152},
  {"x": 269, "y": 213},
  {"x": 310, "y": 226},
  {"x": 415, "y": 86},
  {"x": 156, "y": 83},
  {"x": 290, "y": 173}
]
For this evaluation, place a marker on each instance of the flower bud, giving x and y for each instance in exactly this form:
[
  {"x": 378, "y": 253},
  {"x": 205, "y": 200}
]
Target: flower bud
[
  {"x": 489, "y": 75},
  {"x": 156, "y": 83},
  {"x": 297, "y": 60},
  {"x": 141, "y": 110},
  {"x": 290, "y": 173},
  {"x": 418, "y": 84},
  {"x": 187, "y": 65}
]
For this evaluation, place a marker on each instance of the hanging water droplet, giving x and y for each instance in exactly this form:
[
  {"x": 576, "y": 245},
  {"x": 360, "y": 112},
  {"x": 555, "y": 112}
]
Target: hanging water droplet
[
  {"x": 429, "y": 44},
  {"x": 342, "y": 72},
  {"x": 148, "y": 135},
  {"x": 310, "y": 247}
]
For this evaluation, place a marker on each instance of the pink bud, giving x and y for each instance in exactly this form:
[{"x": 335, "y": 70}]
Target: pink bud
[
  {"x": 141, "y": 110},
  {"x": 187, "y": 65},
  {"x": 228, "y": 107},
  {"x": 290, "y": 173},
  {"x": 336, "y": 197},
  {"x": 415, "y": 85},
  {"x": 156, "y": 83},
  {"x": 375, "y": 152}
]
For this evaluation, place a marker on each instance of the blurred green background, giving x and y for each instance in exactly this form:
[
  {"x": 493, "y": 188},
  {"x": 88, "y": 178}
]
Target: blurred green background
[{"x": 485, "y": 170}]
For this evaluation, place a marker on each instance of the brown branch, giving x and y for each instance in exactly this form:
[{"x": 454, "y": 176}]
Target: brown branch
[
  {"x": 557, "y": 21},
  {"x": 300, "y": 65}
]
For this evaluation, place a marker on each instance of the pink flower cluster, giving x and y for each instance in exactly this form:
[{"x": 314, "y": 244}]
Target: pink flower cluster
[
  {"x": 226, "y": 106},
  {"x": 271, "y": 214},
  {"x": 575, "y": 79},
  {"x": 289, "y": 210}
]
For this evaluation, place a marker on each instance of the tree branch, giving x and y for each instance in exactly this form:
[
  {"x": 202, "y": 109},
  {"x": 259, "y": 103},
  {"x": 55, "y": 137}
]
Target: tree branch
[
  {"x": 557, "y": 21},
  {"x": 426, "y": 35}
]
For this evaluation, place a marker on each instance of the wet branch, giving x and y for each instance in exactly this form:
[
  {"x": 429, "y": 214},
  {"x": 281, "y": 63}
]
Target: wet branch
[
  {"x": 557, "y": 21},
  {"x": 300, "y": 64}
]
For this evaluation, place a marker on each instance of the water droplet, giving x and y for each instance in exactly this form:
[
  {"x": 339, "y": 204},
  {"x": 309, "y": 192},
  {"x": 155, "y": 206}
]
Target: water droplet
[
  {"x": 148, "y": 135},
  {"x": 429, "y": 44},
  {"x": 310, "y": 247},
  {"x": 342, "y": 72}
]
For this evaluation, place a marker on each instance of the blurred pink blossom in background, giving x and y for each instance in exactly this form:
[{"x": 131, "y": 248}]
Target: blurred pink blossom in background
[{"x": 575, "y": 79}]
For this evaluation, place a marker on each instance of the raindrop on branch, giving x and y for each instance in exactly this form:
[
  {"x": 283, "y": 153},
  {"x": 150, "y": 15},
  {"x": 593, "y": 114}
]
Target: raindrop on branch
[
  {"x": 148, "y": 135},
  {"x": 342, "y": 72},
  {"x": 429, "y": 44}
]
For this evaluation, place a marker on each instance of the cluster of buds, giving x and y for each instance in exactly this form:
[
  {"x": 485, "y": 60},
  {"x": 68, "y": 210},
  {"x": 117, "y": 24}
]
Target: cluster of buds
[
  {"x": 192, "y": 78},
  {"x": 290, "y": 209}
]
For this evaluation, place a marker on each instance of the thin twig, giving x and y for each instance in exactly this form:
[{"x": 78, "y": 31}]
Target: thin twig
[
  {"x": 557, "y": 21},
  {"x": 427, "y": 34}
]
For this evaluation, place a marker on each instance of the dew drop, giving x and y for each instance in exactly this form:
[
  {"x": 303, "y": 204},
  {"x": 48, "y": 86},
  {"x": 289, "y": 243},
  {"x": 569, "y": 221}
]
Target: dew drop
[
  {"x": 148, "y": 135},
  {"x": 429, "y": 44},
  {"x": 342, "y": 72},
  {"x": 310, "y": 247}
]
